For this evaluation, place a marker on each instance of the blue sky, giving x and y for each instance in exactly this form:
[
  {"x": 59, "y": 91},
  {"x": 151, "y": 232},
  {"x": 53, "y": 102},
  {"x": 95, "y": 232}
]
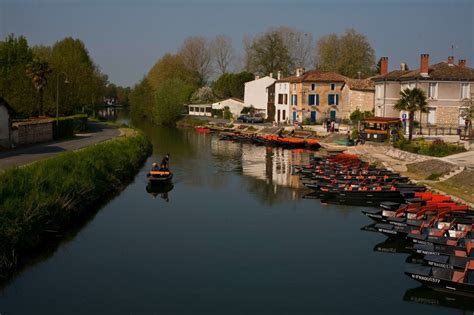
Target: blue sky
[{"x": 125, "y": 38}]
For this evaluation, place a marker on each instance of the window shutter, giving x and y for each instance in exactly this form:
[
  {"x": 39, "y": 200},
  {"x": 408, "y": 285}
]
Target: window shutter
[
  {"x": 317, "y": 99},
  {"x": 337, "y": 99}
]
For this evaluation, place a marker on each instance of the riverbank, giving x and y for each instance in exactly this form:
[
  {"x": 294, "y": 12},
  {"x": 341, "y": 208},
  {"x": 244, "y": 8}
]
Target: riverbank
[{"x": 42, "y": 199}]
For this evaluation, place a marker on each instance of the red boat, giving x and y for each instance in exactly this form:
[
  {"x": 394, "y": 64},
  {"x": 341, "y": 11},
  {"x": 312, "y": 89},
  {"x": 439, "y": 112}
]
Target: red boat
[{"x": 202, "y": 129}]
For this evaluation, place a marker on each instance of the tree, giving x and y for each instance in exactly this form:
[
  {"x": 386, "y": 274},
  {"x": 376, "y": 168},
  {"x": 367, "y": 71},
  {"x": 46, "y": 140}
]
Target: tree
[
  {"x": 15, "y": 86},
  {"x": 203, "y": 95},
  {"x": 467, "y": 112},
  {"x": 196, "y": 55},
  {"x": 269, "y": 54},
  {"x": 38, "y": 72},
  {"x": 231, "y": 84},
  {"x": 141, "y": 99},
  {"x": 172, "y": 67},
  {"x": 222, "y": 52},
  {"x": 169, "y": 101},
  {"x": 412, "y": 100},
  {"x": 299, "y": 45},
  {"x": 347, "y": 54}
]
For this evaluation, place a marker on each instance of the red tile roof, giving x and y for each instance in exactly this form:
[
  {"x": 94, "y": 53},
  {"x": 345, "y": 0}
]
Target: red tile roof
[
  {"x": 361, "y": 84},
  {"x": 440, "y": 71},
  {"x": 315, "y": 76}
]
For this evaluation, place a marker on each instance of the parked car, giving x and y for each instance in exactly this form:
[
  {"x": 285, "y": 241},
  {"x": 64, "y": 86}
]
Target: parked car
[
  {"x": 243, "y": 118},
  {"x": 255, "y": 119}
]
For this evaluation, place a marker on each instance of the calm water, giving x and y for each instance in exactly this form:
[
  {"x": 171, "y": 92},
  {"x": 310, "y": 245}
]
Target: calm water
[{"x": 233, "y": 236}]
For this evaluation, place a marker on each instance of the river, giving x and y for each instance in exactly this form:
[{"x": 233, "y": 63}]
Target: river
[{"x": 233, "y": 236}]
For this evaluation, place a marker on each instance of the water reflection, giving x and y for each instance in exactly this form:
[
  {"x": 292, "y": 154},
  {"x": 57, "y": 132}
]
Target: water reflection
[
  {"x": 163, "y": 190},
  {"x": 423, "y": 295}
]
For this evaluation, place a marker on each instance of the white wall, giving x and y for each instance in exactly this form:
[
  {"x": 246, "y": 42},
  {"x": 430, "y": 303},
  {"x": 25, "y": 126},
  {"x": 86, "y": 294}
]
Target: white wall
[
  {"x": 256, "y": 94},
  {"x": 4, "y": 127},
  {"x": 282, "y": 88},
  {"x": 234, "y": 106}
]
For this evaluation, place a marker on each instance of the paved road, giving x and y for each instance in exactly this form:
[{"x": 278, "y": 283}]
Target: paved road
[
  {"x": 25, "y": 155},
  {"x": 465, "y": 159}
]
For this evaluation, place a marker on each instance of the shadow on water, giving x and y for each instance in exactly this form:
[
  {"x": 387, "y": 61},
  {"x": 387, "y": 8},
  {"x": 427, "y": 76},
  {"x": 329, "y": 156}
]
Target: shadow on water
[
  {"x": 155, "y": 189},
  {"x": 423, "y": 295}
]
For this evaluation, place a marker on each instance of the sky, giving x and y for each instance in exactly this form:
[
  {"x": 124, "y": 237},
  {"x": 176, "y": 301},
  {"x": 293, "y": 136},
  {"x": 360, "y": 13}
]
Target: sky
[{"x": 125, "y": 37}]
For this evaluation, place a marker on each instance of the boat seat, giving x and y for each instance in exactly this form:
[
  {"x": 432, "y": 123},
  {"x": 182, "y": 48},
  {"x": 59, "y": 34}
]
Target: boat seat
[{"x": 458, "y": 276}]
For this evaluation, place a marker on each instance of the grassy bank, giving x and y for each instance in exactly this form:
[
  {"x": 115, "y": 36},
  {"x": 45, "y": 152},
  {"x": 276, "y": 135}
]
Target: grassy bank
[
  {"x": 437, "y": 147},
  {"x": 48, "y": 195}
]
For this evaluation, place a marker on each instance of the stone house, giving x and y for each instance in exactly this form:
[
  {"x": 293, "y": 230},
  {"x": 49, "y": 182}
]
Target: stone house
[
  {"x": 446, "y": 84},
  {"x": 319, "y": 95},
  {"x": 357, "y": 94},
  {"x": 6, "y": 113},
  {"x": 234, "y": 105},
  {"x": 256, "y": 94}
]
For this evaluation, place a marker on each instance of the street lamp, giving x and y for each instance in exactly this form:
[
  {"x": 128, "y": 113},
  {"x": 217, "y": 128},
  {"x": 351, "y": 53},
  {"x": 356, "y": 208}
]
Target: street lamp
[{"x": 57, "y": 94}]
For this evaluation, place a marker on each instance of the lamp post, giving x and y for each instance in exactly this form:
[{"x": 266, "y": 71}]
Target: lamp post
[{"x": 57, "y": 94}]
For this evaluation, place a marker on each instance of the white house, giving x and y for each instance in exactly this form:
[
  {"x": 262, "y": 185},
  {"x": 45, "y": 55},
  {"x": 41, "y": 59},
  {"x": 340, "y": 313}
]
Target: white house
[
  {"x": 200, "y": 110},
  {"x": 235, "y": 105},
  {"x": 282, "y": 104},
  {"x": 5, "y": 124},
  {"x": 256, "y": 93}
]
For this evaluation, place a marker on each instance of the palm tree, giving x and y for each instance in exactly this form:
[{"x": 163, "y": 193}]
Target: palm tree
[
  {"x": 38, "y": 71},
  {"x": 412, "y": 100}
]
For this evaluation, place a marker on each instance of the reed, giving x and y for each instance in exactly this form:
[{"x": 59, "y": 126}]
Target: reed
[{"x": 48, "y": 195}]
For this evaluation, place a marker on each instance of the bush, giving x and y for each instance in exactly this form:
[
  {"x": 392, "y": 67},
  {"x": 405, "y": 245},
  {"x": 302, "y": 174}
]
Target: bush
[
  {"x": 66, "y": 127},
  {"x": 434, "y": 176},
  {"x": 227, "y": 113},
  {"x": 51, "y": 194},
  {"x": 437, "y": 148}
]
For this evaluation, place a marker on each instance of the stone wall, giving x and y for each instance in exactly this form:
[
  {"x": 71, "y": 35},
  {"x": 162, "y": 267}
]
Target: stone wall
[{"x": 27, "y": 132}]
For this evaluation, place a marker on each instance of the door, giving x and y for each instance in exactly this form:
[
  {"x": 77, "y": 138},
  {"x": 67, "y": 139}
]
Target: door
[
  {"x": 294, "y": 116},
  {"x": 313, "y": 116},
  {"x": 333, "y": 115},
  {"x": 432, "y": 116}
]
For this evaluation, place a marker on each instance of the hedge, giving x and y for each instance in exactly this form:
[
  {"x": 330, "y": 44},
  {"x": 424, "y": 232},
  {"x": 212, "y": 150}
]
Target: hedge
[{"x": 67, "y": 126}]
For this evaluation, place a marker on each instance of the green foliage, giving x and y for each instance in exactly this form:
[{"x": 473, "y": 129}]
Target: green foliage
[
  {"x": 358, "y": 115},
  {"x": 437, "y": 148},
  {"x": 53, "y": 193},
  {"x": 189, "y": 121},
  {"x": 38, "y": 71},
  {"x": 172, "y": 67},
  {"x": 66, "y": 127},
  {"x": 434, "y": 176},
  {"x": 141, "y": 99},
  {"x": 347, "y": 54},
  {"x": 170, "y": 98},
  {"x": 412, "y": 100},
  {"x": 227, "y": 113},
  {"x": 231, "y": 84}
]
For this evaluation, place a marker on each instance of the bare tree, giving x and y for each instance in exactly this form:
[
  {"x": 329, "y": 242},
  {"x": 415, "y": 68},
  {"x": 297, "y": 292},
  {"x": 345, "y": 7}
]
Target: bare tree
[
  {"x": 300, "y": 45},
  {"x": 248, "y": 63},
  {"x": 222, "y": 52},
  {"x": 196, "y": 54}
]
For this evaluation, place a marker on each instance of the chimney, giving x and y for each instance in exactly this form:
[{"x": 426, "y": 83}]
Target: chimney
[
  {"x": 271, "y": 75},
  {"x": 383, "y": 65},
  {"x": 403, "y": 66},
  {"x": 278, "y": 75},
  {"x": 424, "y": 64},
  {"x": 299, "y": 71},
  {"x": 462, "y": 63},
  {"x": 451, "y": 60}
]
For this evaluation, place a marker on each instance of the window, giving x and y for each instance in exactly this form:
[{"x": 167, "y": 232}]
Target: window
[
  {"x": 311, "y": 99},
  {"x": 284, "y": 114},
  {"x": 333, "y": 99},
  {"x": 333, "y": 86},
  {"x": 294, "y": 86},
  {"x": 465, "y": 87},
  {"x": 433, "y": 90},
  {"x": 379, "y": 91},
  {"x": 313, "y": 86},
  {"x": 317, "y": 99},
  {"x": 285, "y": 99},
  {"x": 280, "y": 99},
  {"x": 294, "y": 99}
]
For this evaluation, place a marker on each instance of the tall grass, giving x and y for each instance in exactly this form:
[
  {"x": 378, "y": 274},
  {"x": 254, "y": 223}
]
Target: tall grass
[{"x": 49, "y": 194}]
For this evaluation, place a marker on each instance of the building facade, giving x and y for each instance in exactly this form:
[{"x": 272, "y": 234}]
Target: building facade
[
  {"x": 447, "y": 86},
  {"x": 256, "y": 94},
  {"x": 234, "y": 105}
]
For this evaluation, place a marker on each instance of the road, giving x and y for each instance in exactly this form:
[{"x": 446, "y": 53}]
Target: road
[{"x": 31, "y": 153}]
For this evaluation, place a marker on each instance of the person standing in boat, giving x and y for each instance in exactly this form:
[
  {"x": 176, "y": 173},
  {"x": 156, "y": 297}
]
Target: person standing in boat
[{"x": 165, "y": 163}]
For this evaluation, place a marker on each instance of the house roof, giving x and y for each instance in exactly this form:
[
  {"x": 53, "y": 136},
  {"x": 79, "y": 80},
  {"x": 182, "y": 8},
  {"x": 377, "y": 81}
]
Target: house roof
[
  {"x": 315, "y": 76},
  {"x": 3, "y": 102},
  {"x": 361, "y": 84},
  {"x": 440, "y": 72}
]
